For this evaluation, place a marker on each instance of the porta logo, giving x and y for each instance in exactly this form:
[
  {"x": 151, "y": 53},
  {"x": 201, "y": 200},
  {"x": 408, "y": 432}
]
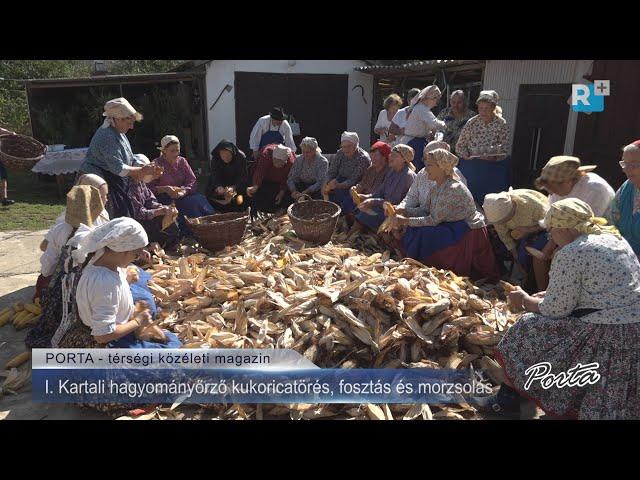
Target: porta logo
[{"x": 589, "y": 98}]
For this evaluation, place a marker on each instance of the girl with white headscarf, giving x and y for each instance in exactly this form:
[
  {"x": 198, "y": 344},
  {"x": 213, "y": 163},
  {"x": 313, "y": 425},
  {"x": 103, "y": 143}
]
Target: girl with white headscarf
[{"x": 103, "y": 297}]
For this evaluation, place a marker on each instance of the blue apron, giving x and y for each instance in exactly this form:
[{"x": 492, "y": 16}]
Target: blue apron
[
  {"x": 418, "y": 145},
  {"x": 629, "y": 224},
  {"x": 272, "y": 136},
  {"x": 373, "y": 222},
  {"x": 422, "y": 242},
  {"x": 342, "y": 197},
  {"x": 485, "y": 177}
]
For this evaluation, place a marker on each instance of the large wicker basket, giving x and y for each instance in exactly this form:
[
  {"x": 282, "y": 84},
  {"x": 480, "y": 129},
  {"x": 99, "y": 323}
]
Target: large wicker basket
[
  {"x": 220, "y": 230},
  {"x": 19, "y": 152},
  {"x": 313, "y": 220}
]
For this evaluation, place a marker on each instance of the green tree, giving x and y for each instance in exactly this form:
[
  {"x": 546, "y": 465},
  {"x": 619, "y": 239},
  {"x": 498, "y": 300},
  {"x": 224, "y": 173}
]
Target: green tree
[
  {"x": 14, "y": 113},
  {"x": 132, "y": 67}
]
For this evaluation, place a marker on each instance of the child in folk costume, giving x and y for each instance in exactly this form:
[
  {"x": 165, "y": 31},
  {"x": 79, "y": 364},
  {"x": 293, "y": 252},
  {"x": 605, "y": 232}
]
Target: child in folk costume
[{"x": 84, "y": 206}]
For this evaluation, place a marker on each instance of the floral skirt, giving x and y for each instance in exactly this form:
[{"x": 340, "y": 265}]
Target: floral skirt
[{"x": 563, "y": 343}]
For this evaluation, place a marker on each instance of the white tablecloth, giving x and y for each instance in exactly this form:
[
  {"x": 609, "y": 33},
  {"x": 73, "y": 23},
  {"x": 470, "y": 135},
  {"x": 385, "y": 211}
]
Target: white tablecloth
[{"x": 58, "y": 163}]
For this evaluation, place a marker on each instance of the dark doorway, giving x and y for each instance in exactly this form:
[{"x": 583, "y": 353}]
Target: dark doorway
[
  {"x": 318, "y": 102},
  {"x": 601, "y": 135},
  {"x": 541, "y": 128}
]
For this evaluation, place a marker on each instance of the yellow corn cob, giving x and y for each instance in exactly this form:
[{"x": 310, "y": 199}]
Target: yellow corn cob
[
  {"x": 19, "y": 316},
  {"x": 33, "y": 308},
  {"x": 18, "y": 306},
  {"x": 26, "y": 321},
  {"x": 354, "y": 196},
  {"x": 5, "y": 310},
  {"x": 6, "y": 317},
  {"x": 18, "y": 360},
  {"x": 389, "y": 209}
]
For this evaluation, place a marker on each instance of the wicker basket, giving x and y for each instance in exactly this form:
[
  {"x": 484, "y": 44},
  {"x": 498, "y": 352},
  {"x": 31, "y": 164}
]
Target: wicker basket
[
  {"x": 220, "y": 230},
  {"x": 313, "y": 220},
  {"x": 19, "y": 152}
]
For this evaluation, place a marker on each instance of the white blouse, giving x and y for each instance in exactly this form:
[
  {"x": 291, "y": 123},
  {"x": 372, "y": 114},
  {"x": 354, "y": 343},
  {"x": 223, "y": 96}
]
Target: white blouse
[
  {"x": 400, "y": 118},
  {"x": 383, "y": 122},
  {"x": 593, "y": 190},
  {"x": 415, "y": 202},
  {"x": 56, "y": 238},
  {"x": 594, "y": 271},
  {"x": 264, "y": 125},
  {"x": 101, "y": 220},
  {"x": 104, "y": 299},
  {"x": 421, "y": 121}
]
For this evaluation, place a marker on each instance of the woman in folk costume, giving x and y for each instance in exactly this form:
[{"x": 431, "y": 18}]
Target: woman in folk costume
[
  {"x": 227, "y": 187},
  {"x": 158, "y": 220},
  {"x": 110, "y": 156},
  {"x": 587, "y": 317},
  {"x": 177, "y": 184},
  {"x": 483, "y": 148},
  {"x": 421, "y": 122},
  {"x": 624, "y": 211},
  {"x": 346, "y": 169},
  {"x": 105, "y": 308},
  {"x": 393, "y": 188},
  {"x": 446, "y": 230}
]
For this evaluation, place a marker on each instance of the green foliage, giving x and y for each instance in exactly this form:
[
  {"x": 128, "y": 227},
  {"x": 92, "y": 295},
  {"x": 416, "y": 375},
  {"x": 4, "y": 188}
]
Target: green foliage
[
  {"x": 14, "y": 113},
  {"x": 132, "y": 67},
  {"x": 13, "y": 101}
]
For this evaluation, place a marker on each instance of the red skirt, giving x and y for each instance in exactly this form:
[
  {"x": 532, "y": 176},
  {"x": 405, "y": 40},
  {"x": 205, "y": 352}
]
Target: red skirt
[
  {"x": 472, "y": 257},
  {"x": 41, "y": 284}
]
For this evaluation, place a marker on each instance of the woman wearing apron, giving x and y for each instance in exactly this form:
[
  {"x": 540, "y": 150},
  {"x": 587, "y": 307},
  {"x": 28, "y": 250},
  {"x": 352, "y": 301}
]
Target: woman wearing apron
[
  {"x": 482, "y": 148},
  {"x": 421, "y": 122},
  {"x": 110, "y": 155}
]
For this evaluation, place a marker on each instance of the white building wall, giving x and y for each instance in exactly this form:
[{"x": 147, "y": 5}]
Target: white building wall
[
  {"x": 506, "y": 76},
  {"x": 221, "y": 119}
]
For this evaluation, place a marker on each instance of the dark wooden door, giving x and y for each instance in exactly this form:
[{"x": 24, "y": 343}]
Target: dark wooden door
[
  {"x": 318, "y": 102},
  {"x": 541, "y": 128},
  {"x": 600, "y": 136}
]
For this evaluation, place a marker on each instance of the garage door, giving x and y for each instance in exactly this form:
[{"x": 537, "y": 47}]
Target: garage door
[{"x": 318, "y": 103}]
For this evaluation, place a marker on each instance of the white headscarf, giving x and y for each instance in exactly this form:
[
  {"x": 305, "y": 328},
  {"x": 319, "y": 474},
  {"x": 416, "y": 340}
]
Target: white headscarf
[
  {"x": 121, "y": 234},
  {"x": 350, "y": 137},
  {"x": 118, "y": 108}
]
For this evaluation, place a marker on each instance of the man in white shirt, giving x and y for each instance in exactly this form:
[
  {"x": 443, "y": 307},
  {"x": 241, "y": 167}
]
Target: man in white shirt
[
  {"x": 272, "y": 128},
  {"x": 400, "y": 118}
]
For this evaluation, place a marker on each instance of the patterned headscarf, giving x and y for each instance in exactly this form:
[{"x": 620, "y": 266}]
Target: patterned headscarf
[
  {"x": 310, "y": 143},
  {"x": 432, "y": 91},
  {"x": 446, "y": 161},
  {"x": 406, "y": 152},
  {"x": 574, "y": 213}
]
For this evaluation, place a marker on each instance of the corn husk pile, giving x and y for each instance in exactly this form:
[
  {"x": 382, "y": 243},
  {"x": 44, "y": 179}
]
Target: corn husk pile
[{"x": 341, "y": 305}]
